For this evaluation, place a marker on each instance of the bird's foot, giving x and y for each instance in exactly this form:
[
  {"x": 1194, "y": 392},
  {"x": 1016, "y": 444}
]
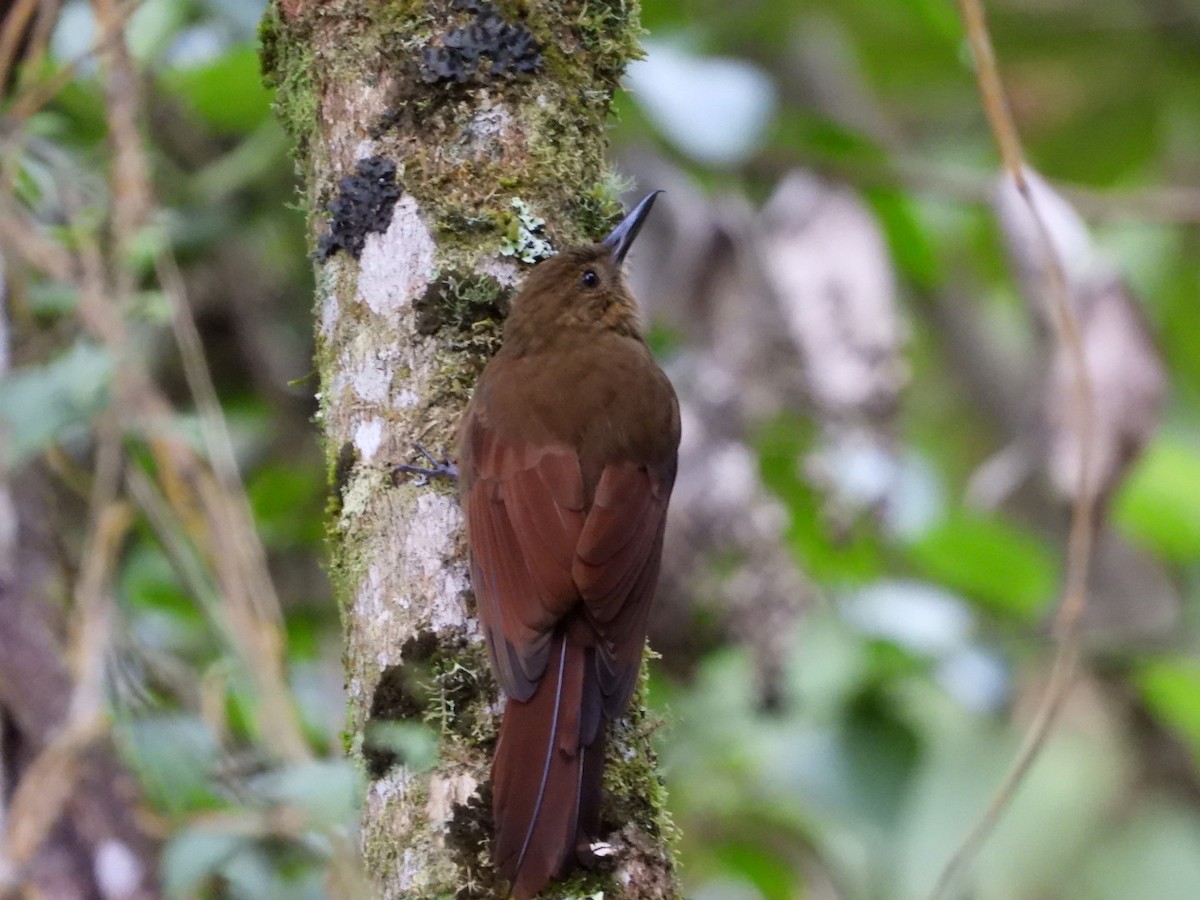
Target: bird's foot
[
  {"x": 437, "y": 468},
  {"x": 589, "y": 853}
]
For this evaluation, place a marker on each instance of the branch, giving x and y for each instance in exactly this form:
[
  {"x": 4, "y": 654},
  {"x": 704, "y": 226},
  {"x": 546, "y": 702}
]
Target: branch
[
  {"x": 47, "y": 786},
  {"x": 1079, "y": 547},
  {"x": 13, "y": 34}
]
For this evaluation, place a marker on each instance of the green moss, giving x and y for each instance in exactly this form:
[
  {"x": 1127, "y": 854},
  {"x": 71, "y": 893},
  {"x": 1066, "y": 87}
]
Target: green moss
[
  {"x": 632, "y": 781},
  {"x": 398, "y": 29},
  {"x": 469, "y": 298},
  {"x": 604, "y": 36},
  {"x": 460, "y": 364},
  {"x": 383, "y": 853},
  {"x": 461, "y": 690},
  {"x": 582, "y": 885},
  {"x": 347, "y": 567},
  {"x": 564, "y": 114},
  {"x": 458, "y": 300},
  {"x": 287, "y": 65},
  {"x": 599, "y": 208}
]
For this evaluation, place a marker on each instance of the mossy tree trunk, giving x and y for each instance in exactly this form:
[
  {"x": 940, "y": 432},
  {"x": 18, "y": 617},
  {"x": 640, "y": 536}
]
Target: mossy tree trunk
[{"x": 433, "y": 136}]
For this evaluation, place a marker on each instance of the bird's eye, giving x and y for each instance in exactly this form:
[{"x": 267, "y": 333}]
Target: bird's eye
[{"x": 590, "y": 279}]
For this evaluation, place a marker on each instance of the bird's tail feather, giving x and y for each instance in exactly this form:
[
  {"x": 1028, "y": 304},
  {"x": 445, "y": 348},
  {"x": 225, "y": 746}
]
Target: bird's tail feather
[{"x": 546, "y": 774}]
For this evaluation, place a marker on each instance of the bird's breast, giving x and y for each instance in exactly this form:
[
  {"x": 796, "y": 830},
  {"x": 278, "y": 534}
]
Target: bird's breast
[{"x": 601, "y": 393}]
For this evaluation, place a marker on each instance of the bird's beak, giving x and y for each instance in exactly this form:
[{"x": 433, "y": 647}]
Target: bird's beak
[{"x": 622, "y": 236}]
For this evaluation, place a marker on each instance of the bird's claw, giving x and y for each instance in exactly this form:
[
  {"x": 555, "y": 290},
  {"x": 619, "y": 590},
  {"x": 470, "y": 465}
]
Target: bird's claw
[
  {"x": 602, "y": 849},
  {"x": 437, "y": 468},
  {"x": 589, "y": 853}
]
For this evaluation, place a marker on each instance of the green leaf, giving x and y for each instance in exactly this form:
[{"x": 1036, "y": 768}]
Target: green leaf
[
  {"x": 1159, "y": 504},
  {"x": 154, "y": 25},
  {"x": 851, "y": 556},
  {"x": 1002, "y": 568},
  {"x": 907, "y": 239},
  {"x": 52, "y": 299},
  {"x": 148, "y": 244},
  {"x": 288, "y": 501},
  {"x": 172, "y": 755},
  {"x": 254, "y": 874},
  {"x": 160, "y": 611},
  {"x": 1171, "y": 690},
  {"x": 761, "y": 866},
  {"x": 228, "y": 92},
  {"x": 81, "y": 104},
  {"x": 881, "y": 752},
  {"x": 192, "y": 857},
  {"x": 413, "y": 744},
  {"x": 1154, "y": 854},
  {"x": 326, "y": 789},
  {"x": 39, "y": 403},
  {"x": 824, "y": 138}
]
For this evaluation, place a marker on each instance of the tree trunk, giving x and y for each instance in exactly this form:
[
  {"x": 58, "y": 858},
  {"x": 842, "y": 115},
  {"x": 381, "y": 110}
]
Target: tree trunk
[{"x": 433, "y": 137}]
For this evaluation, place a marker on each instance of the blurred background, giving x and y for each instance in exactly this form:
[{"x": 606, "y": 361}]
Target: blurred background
[{"x": 868, "y": 538}]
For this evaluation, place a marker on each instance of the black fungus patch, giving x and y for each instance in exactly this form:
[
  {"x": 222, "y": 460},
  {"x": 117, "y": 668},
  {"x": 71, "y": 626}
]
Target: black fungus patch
[
  {"x": 347, "y": 457},
  {"x": 511, "y": 49},
  {"x": 363, "y": 206}
]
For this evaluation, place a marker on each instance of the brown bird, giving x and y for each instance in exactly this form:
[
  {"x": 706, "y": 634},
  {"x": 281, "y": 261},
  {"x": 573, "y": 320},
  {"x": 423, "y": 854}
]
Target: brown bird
[{"x": 567, "y": 456}]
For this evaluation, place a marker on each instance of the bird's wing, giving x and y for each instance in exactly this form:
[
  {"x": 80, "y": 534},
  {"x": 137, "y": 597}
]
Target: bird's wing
[
  {"x": 616, "y": 569},
  {"x": 524, "y": 509}
]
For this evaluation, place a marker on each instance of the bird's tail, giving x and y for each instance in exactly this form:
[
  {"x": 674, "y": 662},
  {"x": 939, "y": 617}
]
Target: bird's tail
[{"x": 546, "y": 776}]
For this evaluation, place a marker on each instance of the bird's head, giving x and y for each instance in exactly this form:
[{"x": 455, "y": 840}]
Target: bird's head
[{"x": 582, "y": 287}]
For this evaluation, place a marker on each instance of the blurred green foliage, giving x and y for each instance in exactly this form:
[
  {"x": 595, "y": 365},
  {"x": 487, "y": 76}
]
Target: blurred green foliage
[
  {"x": 1158, "y": 504},
  {"x": 1003, "y": 569},
  {"x": 40, "y": 405},
  {"x": 876, "y": 767}
]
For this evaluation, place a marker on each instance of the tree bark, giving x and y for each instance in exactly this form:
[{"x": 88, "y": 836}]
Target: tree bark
[{"x": 432, "y": 136}]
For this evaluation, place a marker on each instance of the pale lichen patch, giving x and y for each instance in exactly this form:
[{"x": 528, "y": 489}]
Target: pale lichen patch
[
  {"x": 430, "y": 541},
  {"x": 503, "y": 270},
  {"x": 369, "y": 375},
  {"x": 368, "y": 436},
  {"x": 454, "y": 613},
  {"x": 364, "y": 150},
  {"x": 430, "y": 550},
  {"x": 487, "y": 135},
  {"x": 396, "y": 266},
  {"x": 369, "y": 600},
  {"x": 444, "y": 794},
  {"x": 330, "y": 310},
  {"x": 357, "y": 498}
]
